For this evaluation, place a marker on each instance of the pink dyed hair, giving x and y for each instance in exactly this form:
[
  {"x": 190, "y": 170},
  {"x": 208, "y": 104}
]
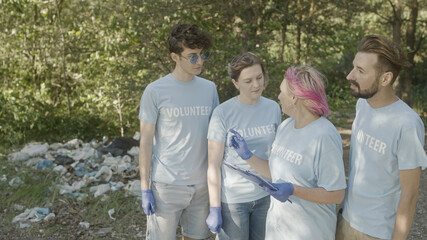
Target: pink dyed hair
[{"x": 306, "y": 83}]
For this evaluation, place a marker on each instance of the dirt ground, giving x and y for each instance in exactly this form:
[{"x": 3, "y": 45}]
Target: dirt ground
[{"x": 132, "y": 226}]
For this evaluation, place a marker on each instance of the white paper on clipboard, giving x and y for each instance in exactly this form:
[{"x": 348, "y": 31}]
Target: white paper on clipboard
[{"x": 251, "y": 177}]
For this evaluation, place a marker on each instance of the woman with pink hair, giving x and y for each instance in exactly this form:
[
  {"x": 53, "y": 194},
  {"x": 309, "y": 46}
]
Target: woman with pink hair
[{"x": 305, "y": 163}]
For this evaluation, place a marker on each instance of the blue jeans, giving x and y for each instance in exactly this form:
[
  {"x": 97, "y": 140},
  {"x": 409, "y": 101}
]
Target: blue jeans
[{"x": 244, "y": 221}]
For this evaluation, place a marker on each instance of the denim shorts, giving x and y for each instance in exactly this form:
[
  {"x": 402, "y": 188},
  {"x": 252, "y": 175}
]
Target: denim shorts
[
  {"x": 187, "y": 205},
  {"x": 243, "y": 221}
]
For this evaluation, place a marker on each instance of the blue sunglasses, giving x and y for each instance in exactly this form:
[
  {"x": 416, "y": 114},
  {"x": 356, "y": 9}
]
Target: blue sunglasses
[{"x": 193, "y": 59}]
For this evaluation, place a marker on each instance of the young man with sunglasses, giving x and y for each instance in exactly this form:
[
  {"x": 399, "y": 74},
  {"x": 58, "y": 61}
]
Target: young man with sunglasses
[{"x": 174, "y": 116}]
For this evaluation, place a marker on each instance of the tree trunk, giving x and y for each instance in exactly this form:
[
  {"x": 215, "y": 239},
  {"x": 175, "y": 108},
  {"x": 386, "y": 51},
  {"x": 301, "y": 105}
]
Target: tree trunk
[
  {"x": 283, "y": 41},
  {"x": 249, "y": 32},
  {"x": 299, "y": 23},
  {"x": 119, "y": 111},
  {"x": 34, "y": 52},
  {"x": 397, "y": 21},
  {"x": 397, "y": 24},
  {"x": 284, "y": 29},
  {"x": 309, "y": 31},
  {"x": 407, "y": 78},
  {"x": 63, "y": 69}
]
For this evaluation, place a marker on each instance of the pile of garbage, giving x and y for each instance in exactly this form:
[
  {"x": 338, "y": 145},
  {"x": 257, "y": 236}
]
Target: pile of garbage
[{"x": 103, "y": 167}]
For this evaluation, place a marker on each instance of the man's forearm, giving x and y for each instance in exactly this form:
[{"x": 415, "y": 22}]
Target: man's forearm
[
  {"x": 145, "y": 155},
  {"x": 215, "y": 155},
  {"x": 214, "y": 184},
  {"x": 409, "y": 182},
  {"x": 404, "y": 216}
]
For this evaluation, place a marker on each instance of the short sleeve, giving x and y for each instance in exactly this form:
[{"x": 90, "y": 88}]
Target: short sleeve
[
  {"x": 217, "y": 129},
  {"x": 148, "y": 109},
  {"x": 330, "y": 170},
  {"x": 215, "y": 102},
  {"x": 410, "y": 150},
  {"x": 279, "y": 115}
]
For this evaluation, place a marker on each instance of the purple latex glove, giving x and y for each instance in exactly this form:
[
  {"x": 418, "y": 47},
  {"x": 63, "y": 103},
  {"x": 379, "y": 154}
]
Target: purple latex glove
[
  {"x": 148, "y": 204},
  {"x": 284, "y": 190},
  {"x": 214, "y": 220},
  {"x": 239, "y": 144}
]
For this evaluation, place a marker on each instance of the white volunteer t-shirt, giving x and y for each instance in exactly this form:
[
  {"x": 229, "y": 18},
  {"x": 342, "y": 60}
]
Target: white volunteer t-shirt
[
  {"x": 308, "y": 157},
  {"x": 181, "y": 112},
  {"x": 257, "y": 124}
]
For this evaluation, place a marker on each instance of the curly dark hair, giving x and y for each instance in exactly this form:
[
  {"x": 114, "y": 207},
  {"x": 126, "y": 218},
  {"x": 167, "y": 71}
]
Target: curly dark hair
[{"x": 187, "y": 35}]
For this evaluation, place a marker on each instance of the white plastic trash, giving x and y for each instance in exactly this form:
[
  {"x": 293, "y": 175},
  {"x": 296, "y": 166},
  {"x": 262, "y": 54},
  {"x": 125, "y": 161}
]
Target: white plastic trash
[
  {"x": 16, "y": 181},
  {"x": 35, "y": 149},
  {"x": 104, "y": 173},
  {"x": 18, "y": 157},
  {"x": 33, "y": 161},
  {"x": 84, "y": 224},
  {"x": 134, "y": 187},
  {"x": 82, "y": 153},
  {"x": 76, "y": 186},
  {"x": 134, "y": 151},
  {"x": 56, "y": 146},
  {"x": 110, "y": 213},
  {"x": 116, "y": 185},
  {"x": 60, "y": 169},
  {"x": 137, "y": 136},
  {"x": 49, "y": 216},
  {"x": 73, "y": 144},
  {"x": 28, "y": 214},
  {"x": 100, "y": 189}
]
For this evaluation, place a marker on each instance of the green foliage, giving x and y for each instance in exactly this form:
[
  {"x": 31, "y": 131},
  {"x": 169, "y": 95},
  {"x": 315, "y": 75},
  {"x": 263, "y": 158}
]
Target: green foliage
[
  {"x": 27, "y": 119},
  {"x": 78, "y": 68}
]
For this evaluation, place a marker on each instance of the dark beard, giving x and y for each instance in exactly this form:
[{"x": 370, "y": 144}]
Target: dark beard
[{"x": 367, "y": 93}]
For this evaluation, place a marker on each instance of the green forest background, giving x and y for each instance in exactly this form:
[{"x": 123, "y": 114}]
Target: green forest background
[{"x": 77, "y": 69}]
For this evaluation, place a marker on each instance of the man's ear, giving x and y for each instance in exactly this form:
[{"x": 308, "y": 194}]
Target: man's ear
[
  {"x": 235, "y": 83},
  {"x": 386, "y": 78},
  {"x": 174, "y": 56}
]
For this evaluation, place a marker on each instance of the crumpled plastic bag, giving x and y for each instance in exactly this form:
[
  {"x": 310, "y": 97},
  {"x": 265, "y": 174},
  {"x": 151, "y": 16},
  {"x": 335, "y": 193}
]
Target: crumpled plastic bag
[
  {"x": 73, "y": 144},
  {"x": 134, "y": 187},
  {"x": 118, "y": 164},
  {"x": 34, "y": 150},
  {"x": 60, "y": 169},
  {"x": 18, "y": 157},
  {"x": 76, "y": 186},
  {"x": 104, "y": 173},
  {"x": 82, "y": 153},
  {"x": 33, "y": 215},
  {"x": 16, "y": 181},
  {"x": 100, "y": 189}
]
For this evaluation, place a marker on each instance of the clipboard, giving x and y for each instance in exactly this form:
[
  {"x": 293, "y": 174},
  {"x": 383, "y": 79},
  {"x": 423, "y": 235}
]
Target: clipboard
[{"x": 251, "y": 177}]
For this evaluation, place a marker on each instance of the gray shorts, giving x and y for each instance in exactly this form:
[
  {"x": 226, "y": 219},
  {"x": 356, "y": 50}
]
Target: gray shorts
[{"x": 188, "y": 204}]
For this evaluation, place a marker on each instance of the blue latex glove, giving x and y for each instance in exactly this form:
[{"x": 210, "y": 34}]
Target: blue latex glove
[
  {"x": 239, "y": 144},
  {"x": 284, "y": 190},
  {"x": 148, "y": 202},
  {"x": 214, "y": 220}
]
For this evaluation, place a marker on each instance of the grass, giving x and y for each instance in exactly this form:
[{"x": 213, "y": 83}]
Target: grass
[
  {"x": 97, "y": 210},
  {"x": 38, "y": 190},
  {"x": 33, "y": 190}
]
